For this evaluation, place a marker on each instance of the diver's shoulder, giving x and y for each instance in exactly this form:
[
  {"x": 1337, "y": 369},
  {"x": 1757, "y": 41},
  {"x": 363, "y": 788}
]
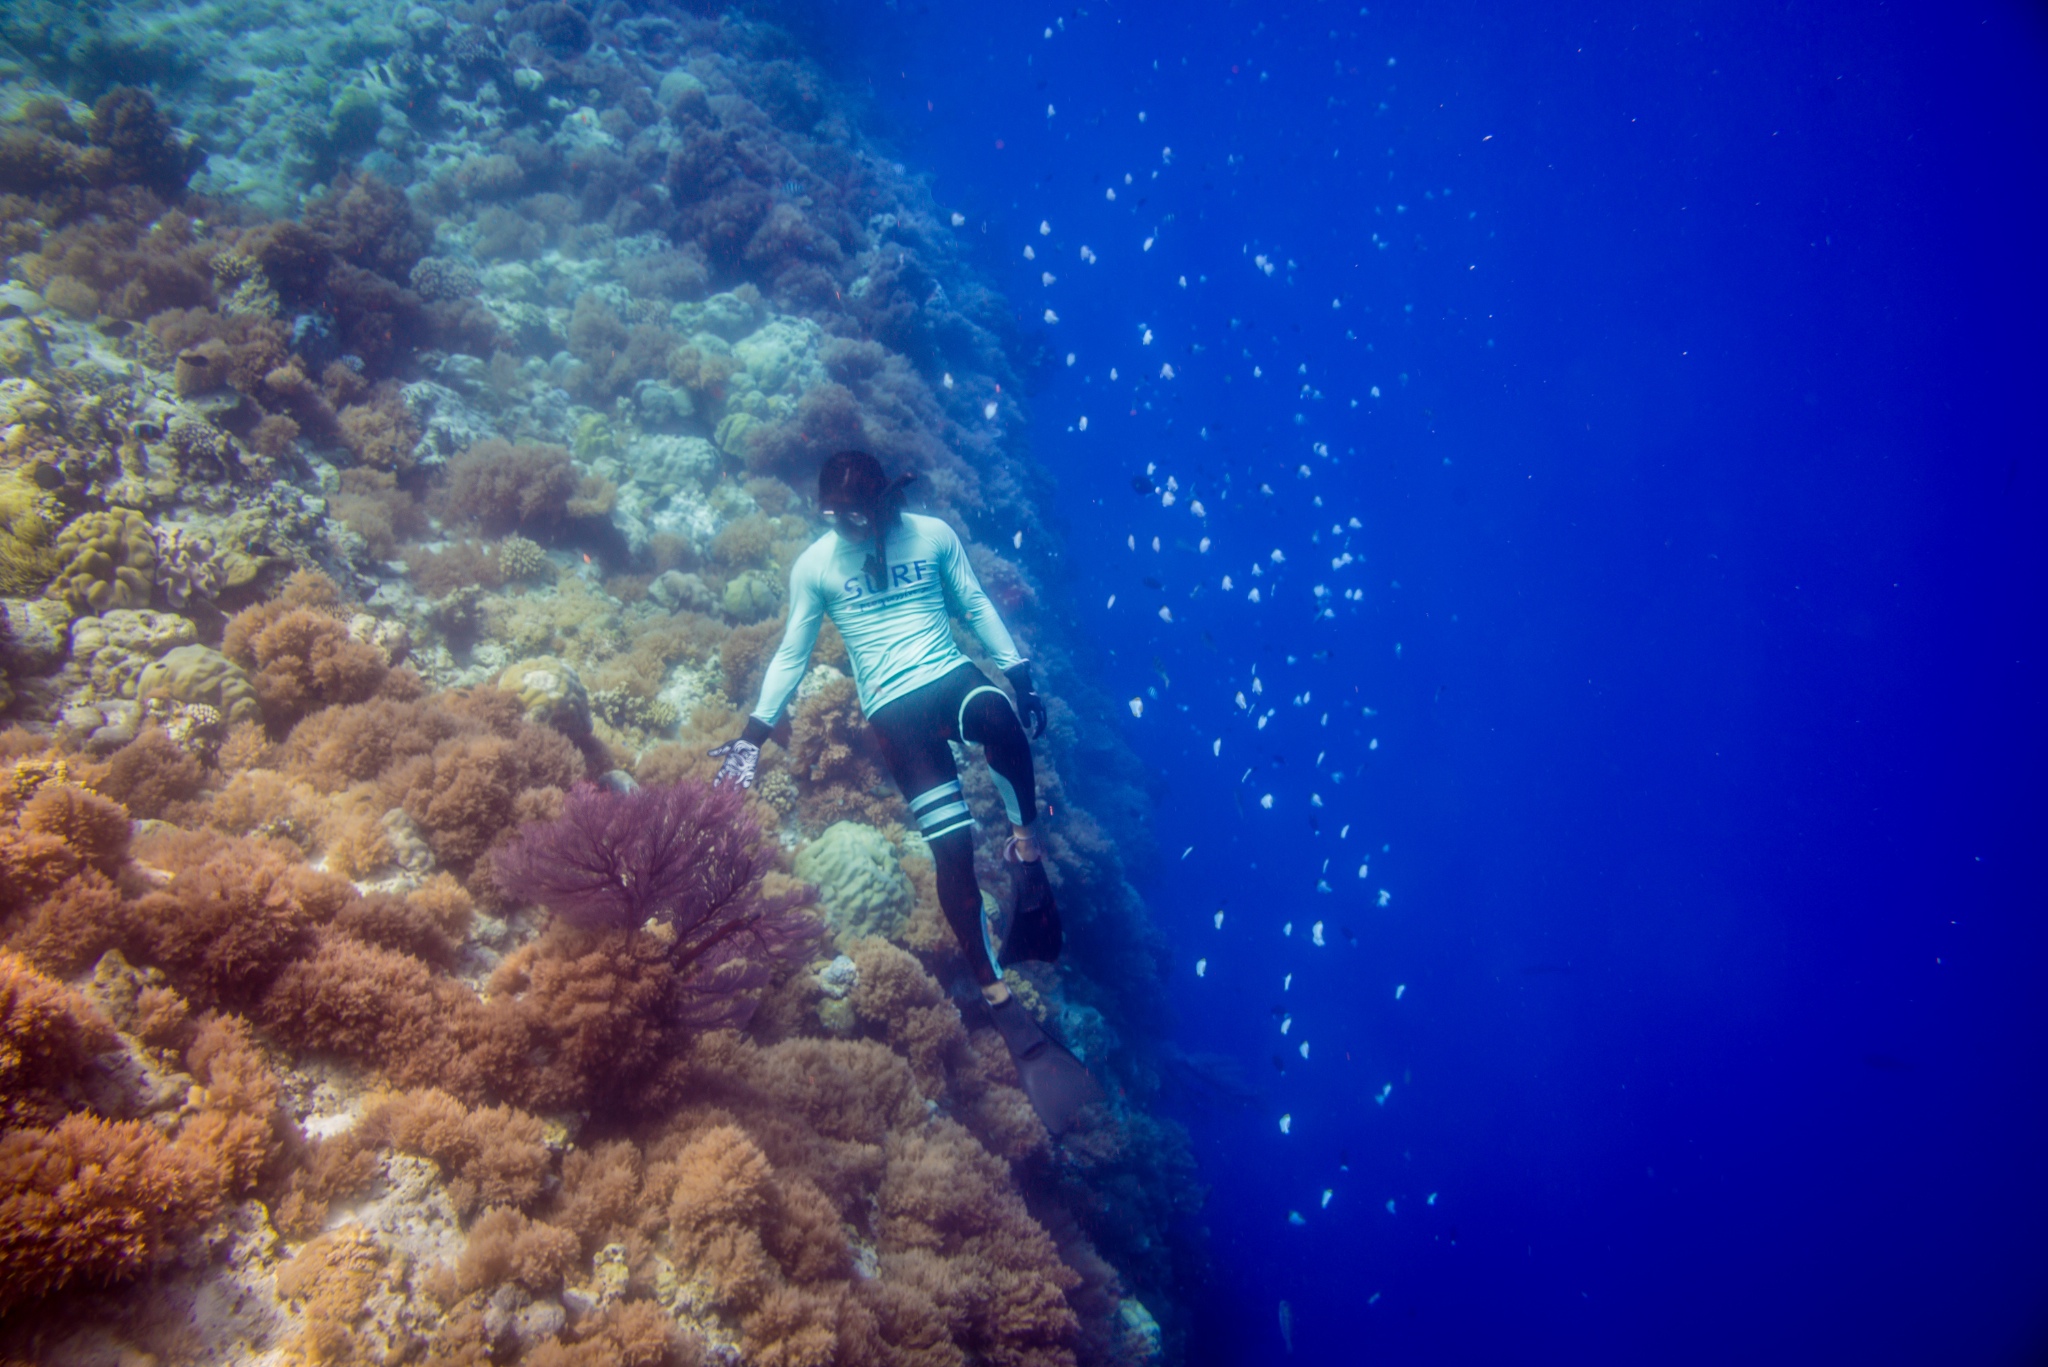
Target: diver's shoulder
[
  {"x": 819, "y": 553},
  {"x": 934, "y": 529}
]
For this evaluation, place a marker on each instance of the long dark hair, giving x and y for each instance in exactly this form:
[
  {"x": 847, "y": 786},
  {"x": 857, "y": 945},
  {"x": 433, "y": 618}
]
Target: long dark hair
[{"x": 855, "y": 480}]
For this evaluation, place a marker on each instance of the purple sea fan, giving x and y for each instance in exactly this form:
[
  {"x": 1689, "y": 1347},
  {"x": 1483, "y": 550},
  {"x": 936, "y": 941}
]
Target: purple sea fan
[{"x": 683, "y": 864}]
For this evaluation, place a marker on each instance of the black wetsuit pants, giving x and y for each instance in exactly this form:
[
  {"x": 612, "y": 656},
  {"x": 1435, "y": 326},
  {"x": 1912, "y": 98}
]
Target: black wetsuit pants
[{"x": 913, "y": 732}]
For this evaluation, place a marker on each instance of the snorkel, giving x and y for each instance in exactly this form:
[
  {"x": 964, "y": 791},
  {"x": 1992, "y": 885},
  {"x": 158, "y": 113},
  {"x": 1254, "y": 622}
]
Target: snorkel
[{"x": 852, "y": 491}]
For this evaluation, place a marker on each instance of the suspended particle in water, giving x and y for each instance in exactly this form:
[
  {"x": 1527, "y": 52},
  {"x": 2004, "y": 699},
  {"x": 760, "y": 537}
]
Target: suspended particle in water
[
  {"x": 1287, "y": 1124},
  {"x": 1137, "y": 707},
  {"x": 1219, "y": 918},
  {"x": 1083, "y": 424},
  {"x": 1216, "y": 747},
  {"x": 1267, "y": 802},
  {"x": 1201, "y": 968}
]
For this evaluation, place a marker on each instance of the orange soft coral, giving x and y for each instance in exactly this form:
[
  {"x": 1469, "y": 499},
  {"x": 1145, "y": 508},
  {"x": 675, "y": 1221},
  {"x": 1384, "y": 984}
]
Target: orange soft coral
[
  {"x": 50, "y": 1035},
  {"x": 491, "y": 1156},
  {"x": 93, "y": 1202},
  {"x": 89, "y": 824},
  {"x": 233, "y": 912}
]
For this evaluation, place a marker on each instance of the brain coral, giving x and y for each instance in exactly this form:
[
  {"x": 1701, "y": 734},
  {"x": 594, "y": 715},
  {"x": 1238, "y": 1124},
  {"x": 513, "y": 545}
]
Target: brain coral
[
  {"x": 195, "y": 674},
  {"x": 108, "y": 559},
  {"x": 552, "y": 693},
  {"x": 115, "y": 647},
  {"x": 860, "y": 883}
]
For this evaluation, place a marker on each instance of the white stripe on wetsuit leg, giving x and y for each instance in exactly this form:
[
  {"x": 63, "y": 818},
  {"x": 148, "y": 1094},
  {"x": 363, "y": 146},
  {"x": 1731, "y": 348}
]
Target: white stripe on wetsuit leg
[{"x": 1004, "y": 788}]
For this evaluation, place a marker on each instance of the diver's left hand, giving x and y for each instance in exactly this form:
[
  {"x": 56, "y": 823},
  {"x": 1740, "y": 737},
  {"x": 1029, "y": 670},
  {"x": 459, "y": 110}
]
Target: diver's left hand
[
  {"x": 739, "y": 759},
  {"x": 1030, "y": 709}
]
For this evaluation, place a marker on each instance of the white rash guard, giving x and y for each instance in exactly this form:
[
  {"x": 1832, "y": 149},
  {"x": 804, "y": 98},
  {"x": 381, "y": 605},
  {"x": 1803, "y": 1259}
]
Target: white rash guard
[{"x": 900, "y": 638}]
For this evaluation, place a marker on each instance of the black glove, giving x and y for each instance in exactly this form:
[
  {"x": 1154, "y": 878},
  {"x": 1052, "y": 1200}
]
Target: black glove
[{"x": 1030, "y": 710}]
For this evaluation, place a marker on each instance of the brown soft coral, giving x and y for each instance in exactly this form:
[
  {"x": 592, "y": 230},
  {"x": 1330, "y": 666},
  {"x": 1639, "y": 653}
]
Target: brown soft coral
[
  {"x": 92, "y": 1201},
  {"x": 93, "y": 828},
  {"x": 830, "y": 741},
  {"x": 898, "y": 999},
  {"x": 239, "y": 1120},
  {"x": 505, "y": 1245},
  {"x": 151, "y": 773},
  {"x": 232, "y": 914},
  {"x": 51, "y": 1034},
  {"x": 598, "y": 1010},
  {"x": 298, "y": 639},
  {"x": 491, "y": 1156},
  {"x": 380, "y": 431},
  {"x": 473, "y": 789},
  {"x": 304, "y": 659},
  {"x": 382, "y": 1007},
  {"x": 504, "y": 488},
  {"x": 427, "y": 923}
]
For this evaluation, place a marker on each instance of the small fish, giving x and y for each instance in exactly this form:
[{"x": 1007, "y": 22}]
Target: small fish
[
  {"x": 1280, "y": 1065},
  {"x": 1142, "y": 485},
  {"x": 1152, "y": 583}
]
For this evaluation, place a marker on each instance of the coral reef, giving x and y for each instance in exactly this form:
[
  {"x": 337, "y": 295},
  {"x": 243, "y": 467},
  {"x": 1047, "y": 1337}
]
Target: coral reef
[{"x": 368, "y": 511}]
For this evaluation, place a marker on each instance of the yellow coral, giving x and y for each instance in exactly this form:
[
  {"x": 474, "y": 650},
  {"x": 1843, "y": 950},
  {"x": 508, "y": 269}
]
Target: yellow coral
[
  {"x": 31, "y": 774},
  {"x": 27, "y": 524},
  {"x": 108, "y": 559}
]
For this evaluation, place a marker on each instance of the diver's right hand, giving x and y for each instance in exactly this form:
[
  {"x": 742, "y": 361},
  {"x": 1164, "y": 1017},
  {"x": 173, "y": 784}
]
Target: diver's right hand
[{"x": 740, "y": 757}]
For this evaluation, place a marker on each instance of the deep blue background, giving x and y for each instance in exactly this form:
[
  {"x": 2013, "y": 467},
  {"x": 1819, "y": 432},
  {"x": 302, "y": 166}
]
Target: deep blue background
[{"x": 1709, "y": 469}]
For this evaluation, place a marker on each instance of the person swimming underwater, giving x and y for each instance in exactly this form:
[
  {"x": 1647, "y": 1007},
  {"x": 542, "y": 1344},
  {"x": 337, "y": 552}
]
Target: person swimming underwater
[{"x": 887, "y": 578}]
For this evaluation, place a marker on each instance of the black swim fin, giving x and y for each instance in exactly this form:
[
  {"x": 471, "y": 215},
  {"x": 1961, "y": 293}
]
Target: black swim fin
[
  {"x": 1035, "y": 923},
  {"x": 1058, "y": 1084}
]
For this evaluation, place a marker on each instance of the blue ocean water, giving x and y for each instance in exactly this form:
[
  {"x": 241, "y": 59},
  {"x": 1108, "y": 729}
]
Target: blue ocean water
[{"x": 1630, "y": 419}]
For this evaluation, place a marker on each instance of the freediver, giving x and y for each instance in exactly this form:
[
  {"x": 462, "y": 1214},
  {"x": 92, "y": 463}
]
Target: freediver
[{"x": 887, "y": 579}]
